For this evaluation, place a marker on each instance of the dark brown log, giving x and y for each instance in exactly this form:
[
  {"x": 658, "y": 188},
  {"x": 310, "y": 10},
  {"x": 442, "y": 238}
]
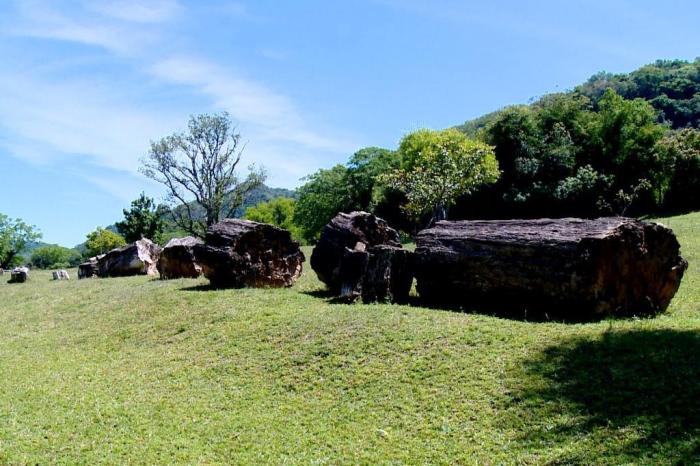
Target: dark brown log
[
  {"x": 240, "y": 253},
  {"x": 567, "y": 268},
  {"x": 89, "y": 268},
  {"x": 177, "y": 260},
  {"x": 360, "y": 256},
  {"x": 19, "y": 275}
]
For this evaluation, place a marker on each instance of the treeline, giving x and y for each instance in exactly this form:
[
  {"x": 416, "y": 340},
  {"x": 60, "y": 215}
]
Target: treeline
[{"x": 618, "y": 144}]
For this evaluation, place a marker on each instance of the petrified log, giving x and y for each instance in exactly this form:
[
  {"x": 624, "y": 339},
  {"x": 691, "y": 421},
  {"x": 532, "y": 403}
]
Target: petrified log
[
  {"x": 61, "y": 275},
  {"x": 89, "y": 268},
  {"x": 569, "y": 268},
  {"x": 359, "y": 256},
  {"x": 177, "y": 259},
  {"x": 241, "y": 253},
  {"x": 19, "y": 275},
  {"x": 138, "y": 258}
]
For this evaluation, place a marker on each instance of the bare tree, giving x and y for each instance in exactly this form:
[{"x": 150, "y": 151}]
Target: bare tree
[{"x": 198, "y": 167}]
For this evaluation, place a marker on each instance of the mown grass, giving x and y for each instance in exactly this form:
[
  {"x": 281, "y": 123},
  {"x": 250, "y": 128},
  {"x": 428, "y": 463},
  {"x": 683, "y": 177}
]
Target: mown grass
[{"x": 135, "y": 370}]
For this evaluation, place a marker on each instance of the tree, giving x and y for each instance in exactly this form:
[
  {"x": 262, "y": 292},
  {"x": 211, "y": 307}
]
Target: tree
[
  {"x": 143, "y": 220},
  {"x": 683, "y": 147},
  {"x": 53, "y": 256},
  {"x": 439, "y": 166},
  {"x": 15, "y": 234},
  {"x": 200, "y": 164},
  {"x": 278, "y": 212},
  {"x": 101, "y": 241},
  {"x": 324, "y": 194},
  {"x": 624, "y": 145}
]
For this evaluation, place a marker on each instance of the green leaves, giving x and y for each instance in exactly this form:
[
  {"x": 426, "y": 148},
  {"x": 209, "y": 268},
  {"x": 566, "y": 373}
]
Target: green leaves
[
  {"x": 143, "y": 220},
  {"x": 278, "y": 212},
  {"x": 101, "y": 241},
  {"x": 439, "y": 166},
  {"x": 15, "y": 234}
]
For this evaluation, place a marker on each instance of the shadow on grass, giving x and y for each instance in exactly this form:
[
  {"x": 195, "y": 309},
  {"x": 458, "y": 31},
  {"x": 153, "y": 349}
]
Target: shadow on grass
[
  {"x": 202, "y": 287},
  {"x": 639, "y": 391}
]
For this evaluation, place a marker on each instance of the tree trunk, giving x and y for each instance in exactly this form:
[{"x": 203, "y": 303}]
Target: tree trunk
[{"x": 568, "y": 268}]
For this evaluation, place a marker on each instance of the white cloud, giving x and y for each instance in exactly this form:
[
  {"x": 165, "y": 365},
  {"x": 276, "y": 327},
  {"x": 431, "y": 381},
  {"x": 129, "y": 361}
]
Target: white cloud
[
  {"x": 138, "y": 11},
  {"x": 272, "y": 115},
  {"x": 53, "y": 112}
]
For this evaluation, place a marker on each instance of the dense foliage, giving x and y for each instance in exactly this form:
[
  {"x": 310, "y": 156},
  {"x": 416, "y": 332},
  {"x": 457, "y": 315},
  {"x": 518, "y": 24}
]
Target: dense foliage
[
  {"x": 671, "y": 86},
  {"x": 439, "y": 166},
  {"x": 53, "y": 256},
  {"x": 344, "y": 188},
  {"x": 615, "y": 144},
  {"x": 15, "y": 235},
  {"x": 143, "y": 220},
  {"x": 102, "y": 240},
  {"x": 278, "y": 212}
]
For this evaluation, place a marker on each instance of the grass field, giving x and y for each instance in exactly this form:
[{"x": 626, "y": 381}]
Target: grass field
[{"x": 142, "y": 371}]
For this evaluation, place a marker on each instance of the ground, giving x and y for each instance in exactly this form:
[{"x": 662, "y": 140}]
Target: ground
[{"x": 143, "y": 371}]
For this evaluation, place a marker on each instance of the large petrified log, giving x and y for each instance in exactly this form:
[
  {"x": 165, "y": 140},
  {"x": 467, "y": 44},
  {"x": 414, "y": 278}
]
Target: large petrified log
[
  {"x": 241, "y": 253},
  {"x": 138, "y": 258},
  {"x": 89, "y": 268},
  {"x": 569, "y": 268},
  {"x": 177, "y": 259},
  {"x": 359, "y": 256},
  {"x": 19, "y": 275}
]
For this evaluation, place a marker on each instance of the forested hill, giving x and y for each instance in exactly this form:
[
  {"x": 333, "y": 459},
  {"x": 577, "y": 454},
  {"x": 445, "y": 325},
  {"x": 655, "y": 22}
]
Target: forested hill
[
  {"x": 618, "y": 143},
  {"x": 672, "y": 87}
]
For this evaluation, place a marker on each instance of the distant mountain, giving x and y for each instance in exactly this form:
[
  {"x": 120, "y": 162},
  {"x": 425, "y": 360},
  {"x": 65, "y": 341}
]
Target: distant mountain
[
  {"x": 31, "y": 246},
  {"x": 262, "y": 194}
]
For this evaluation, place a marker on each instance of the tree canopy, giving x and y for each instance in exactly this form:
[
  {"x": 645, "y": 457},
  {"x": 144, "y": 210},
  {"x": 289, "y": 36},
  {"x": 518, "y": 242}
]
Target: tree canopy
[
  {"x": 278, "y": 212},
  {"x": 15, "y": 234},
  {"x": 102, "y": 241},
  {"x": 53, "y": 256},
  {"x": 143, "y": 220},
  {"x": 199, "y": 169},
  {"x": 436, "y": 167}
]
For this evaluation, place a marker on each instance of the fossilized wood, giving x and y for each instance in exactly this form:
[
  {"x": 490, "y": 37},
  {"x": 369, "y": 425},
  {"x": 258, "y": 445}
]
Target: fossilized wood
[
  {"x": 241, "y": 253},
  {"x": 177, "y": 259},
  {"x": 359, "y": 256},
  {"x": 572, "y": 268},
  {"x": 138, "y": 258}
]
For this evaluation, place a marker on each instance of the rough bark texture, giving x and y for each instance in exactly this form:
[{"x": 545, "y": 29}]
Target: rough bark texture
[
  {"x": 19, "y": 275},
  {"x": 89, "y": 268},
  {"x": 138, "y": 258},
  {"x": 177, "y": 260},
  {"x": 359, "y": 256},
  {"x": 240, "y": 253},
  {"x": 569, "y": 268}
]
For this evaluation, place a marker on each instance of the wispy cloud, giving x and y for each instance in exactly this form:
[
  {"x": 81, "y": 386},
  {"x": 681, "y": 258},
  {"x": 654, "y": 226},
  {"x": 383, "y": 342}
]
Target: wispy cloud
[
  {"x": 72, "y": 113},
  {"x": 270, "y": 113}
]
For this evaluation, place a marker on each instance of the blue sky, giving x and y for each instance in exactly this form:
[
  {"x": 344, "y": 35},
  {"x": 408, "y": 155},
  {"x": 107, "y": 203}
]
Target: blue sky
[{"x": 86, "y": 84}]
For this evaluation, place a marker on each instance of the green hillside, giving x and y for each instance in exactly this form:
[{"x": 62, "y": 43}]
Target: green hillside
[{"x": 142, "y": 371}]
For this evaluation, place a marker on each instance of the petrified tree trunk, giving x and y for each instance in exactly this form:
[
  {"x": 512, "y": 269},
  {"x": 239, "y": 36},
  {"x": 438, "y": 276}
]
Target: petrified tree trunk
[
  {"x": 19, "y": 275},
  {"x": 239, "y": 253},
  {"x": 359, "y": 255},
  {"x": 89, "y": 268},
  {"x": 177, "y": 260},
  {"x": 138, "y": 258},
  {"x": 568, "y": 268}
]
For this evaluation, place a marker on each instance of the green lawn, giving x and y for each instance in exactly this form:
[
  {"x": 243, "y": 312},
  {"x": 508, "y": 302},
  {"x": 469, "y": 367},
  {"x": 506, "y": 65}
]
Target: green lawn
[{"x": 136, "y": 370}]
